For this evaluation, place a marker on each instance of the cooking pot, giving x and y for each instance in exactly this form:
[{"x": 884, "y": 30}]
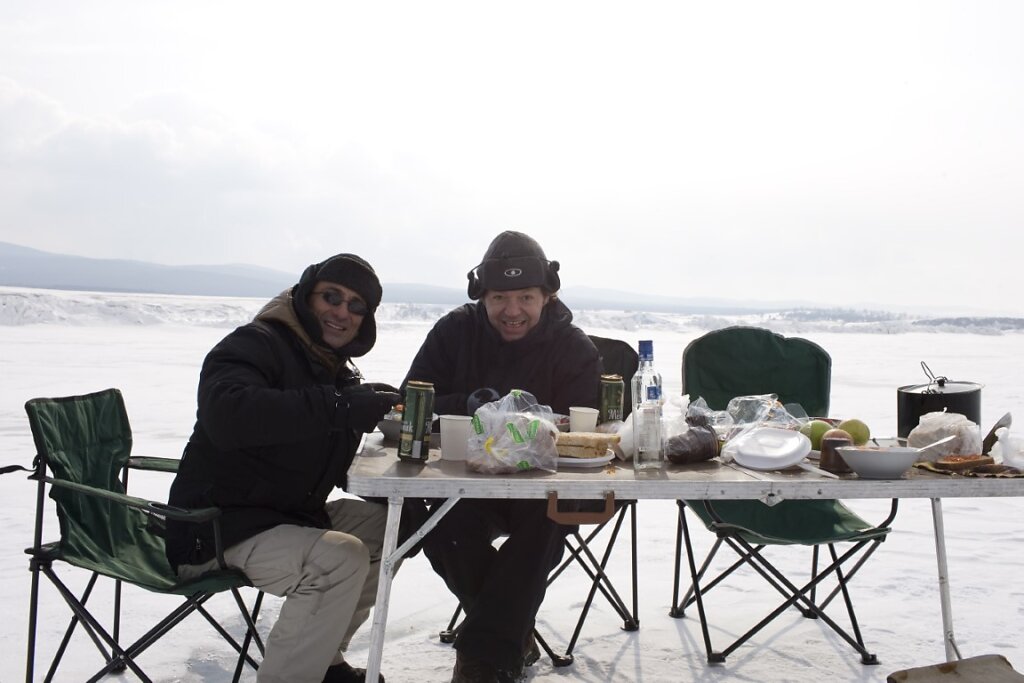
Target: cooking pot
[{"x": 937, "y": 395}]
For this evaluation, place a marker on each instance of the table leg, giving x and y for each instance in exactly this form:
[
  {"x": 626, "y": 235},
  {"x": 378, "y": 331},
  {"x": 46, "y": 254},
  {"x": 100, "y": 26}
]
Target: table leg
[
  {"x": 387, "y": 573},
  {"x": 390, "y": 556},
  {"x": 952, "y": 651}
]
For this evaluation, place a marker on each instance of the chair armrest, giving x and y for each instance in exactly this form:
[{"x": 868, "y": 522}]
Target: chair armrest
[
  {"x": 169, "y": 511},
  {"x": 154, "y": 464}
]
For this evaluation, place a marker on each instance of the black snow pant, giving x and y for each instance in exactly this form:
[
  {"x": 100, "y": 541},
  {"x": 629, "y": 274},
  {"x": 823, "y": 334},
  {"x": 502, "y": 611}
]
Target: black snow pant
[{"x": 501, "y": 589}]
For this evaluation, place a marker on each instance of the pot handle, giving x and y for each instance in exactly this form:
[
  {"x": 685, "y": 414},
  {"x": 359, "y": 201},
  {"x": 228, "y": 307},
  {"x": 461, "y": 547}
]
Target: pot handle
[{"x": 932, "y": 379}]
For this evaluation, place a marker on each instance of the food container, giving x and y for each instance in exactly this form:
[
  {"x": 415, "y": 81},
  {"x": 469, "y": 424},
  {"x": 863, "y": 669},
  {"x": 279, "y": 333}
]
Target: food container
[{"x": 938, "y": 395}]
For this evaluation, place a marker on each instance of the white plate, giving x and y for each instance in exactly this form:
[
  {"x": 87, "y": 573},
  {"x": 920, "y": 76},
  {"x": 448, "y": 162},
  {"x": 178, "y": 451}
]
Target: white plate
[
  {"x": 586, "y": 462},
  {"x": 770, "y": 448}
]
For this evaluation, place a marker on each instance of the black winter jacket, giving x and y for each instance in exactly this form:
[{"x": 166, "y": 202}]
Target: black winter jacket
[
  {"x": 270, "y": 440},
  {"x": 556, "y": 361}
]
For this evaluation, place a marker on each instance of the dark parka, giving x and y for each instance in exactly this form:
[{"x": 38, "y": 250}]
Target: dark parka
[
  {"x": 271, "y": 438},
  {"x": 556, "y": 361}
]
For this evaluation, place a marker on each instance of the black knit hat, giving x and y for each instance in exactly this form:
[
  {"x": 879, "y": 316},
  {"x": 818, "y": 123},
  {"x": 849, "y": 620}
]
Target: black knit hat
[
  {"x": 513, "y": 260},
  {"x": 347, "y": 270}
]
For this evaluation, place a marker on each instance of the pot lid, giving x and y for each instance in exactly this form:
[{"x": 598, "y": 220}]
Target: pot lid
[
  {"x": 939, "y": 385},
  {"x": 941, "y": 388}
]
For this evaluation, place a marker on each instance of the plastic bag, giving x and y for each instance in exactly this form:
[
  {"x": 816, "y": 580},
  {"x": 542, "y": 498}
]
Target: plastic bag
[
  {"x": 1009, "y": 449},
  {"x": 749, "y": 413},
  {"x": 934, "y": 426},
  {"x": 513, "y": 434}
]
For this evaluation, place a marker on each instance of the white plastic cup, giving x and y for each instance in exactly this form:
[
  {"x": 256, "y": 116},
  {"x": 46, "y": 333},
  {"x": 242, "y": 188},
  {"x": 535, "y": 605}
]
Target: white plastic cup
[
  {"x": 455, "y": 431},
  {"x": 582, "y": 419}
]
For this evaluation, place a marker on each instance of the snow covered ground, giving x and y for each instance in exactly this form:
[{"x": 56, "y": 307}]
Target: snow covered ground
[{"x": 57, "y": 343}]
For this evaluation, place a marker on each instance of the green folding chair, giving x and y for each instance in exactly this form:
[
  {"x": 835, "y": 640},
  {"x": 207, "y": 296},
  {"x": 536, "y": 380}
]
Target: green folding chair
[
  {"x": 744, "y": 361},
  {"x": 85, "y": 443},
  {"x": 617, "y": 357}
]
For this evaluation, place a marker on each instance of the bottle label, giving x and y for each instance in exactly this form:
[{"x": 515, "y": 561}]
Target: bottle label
[{"x": 654, "y": 393}]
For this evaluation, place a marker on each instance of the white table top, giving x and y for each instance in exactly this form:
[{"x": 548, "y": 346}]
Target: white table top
[{"x": 378, "y": 472}]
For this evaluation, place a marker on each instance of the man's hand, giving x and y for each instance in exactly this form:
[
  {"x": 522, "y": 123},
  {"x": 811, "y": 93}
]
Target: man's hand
[
  {"x": 479, "y": 398},
  {"x": 365, "y": 405}
]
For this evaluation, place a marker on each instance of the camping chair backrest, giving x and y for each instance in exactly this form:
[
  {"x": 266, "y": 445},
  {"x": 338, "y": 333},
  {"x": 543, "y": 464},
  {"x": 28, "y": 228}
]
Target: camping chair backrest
[
  {"x": 87, "y": 440},
  {"x": 618, "y": 358},
  {"x": 745, "y": 361}
]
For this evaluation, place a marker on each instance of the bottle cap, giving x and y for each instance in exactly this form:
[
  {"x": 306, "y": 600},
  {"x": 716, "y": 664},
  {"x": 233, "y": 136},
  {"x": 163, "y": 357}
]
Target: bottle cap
[{"x": 646, "y": 351}]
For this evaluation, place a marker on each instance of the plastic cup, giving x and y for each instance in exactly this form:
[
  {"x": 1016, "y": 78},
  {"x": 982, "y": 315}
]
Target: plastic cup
[
  {"x": 582, "y": 419},
  {"x": 455, "y": 431}
]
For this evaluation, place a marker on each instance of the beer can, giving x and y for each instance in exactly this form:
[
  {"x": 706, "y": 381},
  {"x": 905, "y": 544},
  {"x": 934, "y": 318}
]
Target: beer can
[
  {"x": 612, "y": 391},
  {"x": 417, "y": 419}
]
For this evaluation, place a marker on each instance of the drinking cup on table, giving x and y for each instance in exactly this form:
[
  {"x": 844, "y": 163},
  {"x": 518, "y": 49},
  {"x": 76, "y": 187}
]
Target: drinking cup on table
[
  {"x": 582, "y": 419},
  {"x": 831, "y": 460},
  {"x": 455, "y": 431}
]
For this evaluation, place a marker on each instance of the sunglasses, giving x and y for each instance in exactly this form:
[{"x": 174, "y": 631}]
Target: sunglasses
[{"x": 334, "y": 298}]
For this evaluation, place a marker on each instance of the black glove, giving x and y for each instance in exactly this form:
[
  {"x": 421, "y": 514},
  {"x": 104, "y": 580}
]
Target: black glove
[
  {"x": 381, "y": 386},
  {"x": 365, "y": 406},
  {"x": 480, "y": 397}
]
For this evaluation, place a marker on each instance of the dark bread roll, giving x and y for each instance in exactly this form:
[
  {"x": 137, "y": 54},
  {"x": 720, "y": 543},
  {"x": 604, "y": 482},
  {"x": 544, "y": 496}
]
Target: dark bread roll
[{"x": 696, "y": 444}]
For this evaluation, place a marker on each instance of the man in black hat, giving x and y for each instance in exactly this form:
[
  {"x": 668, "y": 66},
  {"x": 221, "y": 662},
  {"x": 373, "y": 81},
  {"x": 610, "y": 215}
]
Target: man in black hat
[
  {"x": 281, "y": 412},
  {"x": 518, "y": 335}
]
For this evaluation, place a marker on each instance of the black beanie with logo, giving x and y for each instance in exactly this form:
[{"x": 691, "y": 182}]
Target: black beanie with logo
[{"x": 513, "y": 260}]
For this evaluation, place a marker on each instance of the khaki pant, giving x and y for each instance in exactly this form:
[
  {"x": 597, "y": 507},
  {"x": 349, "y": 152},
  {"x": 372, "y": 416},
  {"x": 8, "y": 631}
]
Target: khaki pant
[{"x": 328, "y": 579}]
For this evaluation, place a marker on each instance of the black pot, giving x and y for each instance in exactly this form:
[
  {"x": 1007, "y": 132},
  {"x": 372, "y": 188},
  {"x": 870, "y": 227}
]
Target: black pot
[{"x": 915, "y": 400}]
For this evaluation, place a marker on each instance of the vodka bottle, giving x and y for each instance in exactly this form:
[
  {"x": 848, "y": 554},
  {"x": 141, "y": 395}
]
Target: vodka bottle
[{"x": 648, "y": 451}]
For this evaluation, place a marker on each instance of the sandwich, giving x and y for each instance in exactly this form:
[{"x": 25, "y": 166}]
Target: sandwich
[{"x": 584, "y": 444}]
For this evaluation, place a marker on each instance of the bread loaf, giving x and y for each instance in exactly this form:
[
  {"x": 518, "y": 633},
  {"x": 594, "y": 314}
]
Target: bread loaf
[
  {"x": 960, "y": 463},
  {"x": 584, "y": 444}
]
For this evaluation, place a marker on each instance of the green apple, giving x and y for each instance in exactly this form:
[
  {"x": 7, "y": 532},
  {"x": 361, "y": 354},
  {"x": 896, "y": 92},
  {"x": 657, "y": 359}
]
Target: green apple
[
  {"x": 858, "y": 431},
  {"x": 814, "y": 430}
]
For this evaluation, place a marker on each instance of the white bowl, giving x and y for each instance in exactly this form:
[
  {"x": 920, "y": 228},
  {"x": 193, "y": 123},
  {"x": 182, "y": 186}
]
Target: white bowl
[
  {"x": 391, "y": 426},
  {"x": 879, "y": 463}
]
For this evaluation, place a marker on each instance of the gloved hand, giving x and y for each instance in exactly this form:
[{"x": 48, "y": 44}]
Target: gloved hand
[
  {"x": 365, "y": 406},
  {"x": 480, "y": 397},
  {"x": 381, "y": 386}
]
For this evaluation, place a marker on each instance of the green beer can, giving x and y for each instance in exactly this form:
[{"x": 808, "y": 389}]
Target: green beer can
[
  {"x": 612, "y": 391},
  {"x": 417, "y": 420}
]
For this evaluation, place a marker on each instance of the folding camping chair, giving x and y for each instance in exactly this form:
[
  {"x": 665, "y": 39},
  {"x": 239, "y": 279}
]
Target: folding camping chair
[
  {"x": 617, "y": 357},
  {"x": 86, "y": 442},
  {"x": 742, "y": 361}
]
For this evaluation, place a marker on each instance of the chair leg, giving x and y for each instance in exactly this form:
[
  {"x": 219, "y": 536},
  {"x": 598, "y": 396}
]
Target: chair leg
[
  {"x": 33, "y": 605},
  {"x": 96, "y": 631},
  {"x": 557, "y": 660},
  {"x": 713, "y": 657},
  {"x": 448, "y": 635},
  {"x": 801, "y": 594},
  {"x": 250, "y": 633}
]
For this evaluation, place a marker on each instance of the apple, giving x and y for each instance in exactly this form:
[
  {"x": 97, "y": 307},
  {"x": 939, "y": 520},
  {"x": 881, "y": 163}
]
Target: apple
[
  {"x": 814, "y": 430},
  {"x": 858, "y": 431}
]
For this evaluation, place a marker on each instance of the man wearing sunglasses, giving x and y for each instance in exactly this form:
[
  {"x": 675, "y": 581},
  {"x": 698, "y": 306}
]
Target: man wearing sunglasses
[
  {"x": 281, "y": 411},
  {"x": 516, "y": 334}
]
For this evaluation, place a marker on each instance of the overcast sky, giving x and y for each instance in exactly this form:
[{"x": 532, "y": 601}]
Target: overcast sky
[{"x": 859, "y": 153}]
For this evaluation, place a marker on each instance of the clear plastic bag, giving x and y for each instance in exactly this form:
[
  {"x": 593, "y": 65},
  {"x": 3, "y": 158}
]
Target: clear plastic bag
[
  {"x": 513, "y": 434},
  {"x": 746, "y": 414},
  {"x": 934, "y": 426},
  {"x": 1009, "y": 449}
]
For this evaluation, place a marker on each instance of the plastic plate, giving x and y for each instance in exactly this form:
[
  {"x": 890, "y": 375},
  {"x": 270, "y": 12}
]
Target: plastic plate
[
  {"x": 770, "y": 448},
  {"x": 586, "y": 462}
]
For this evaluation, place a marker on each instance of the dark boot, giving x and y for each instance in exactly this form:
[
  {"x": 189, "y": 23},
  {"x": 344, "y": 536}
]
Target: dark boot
[
  {"x": 346, "y": 673},
  {"x": 472, "y": 670}
]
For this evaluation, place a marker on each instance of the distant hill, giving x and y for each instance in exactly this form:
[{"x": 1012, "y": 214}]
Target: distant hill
[{"x": 26, "y": 267}]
